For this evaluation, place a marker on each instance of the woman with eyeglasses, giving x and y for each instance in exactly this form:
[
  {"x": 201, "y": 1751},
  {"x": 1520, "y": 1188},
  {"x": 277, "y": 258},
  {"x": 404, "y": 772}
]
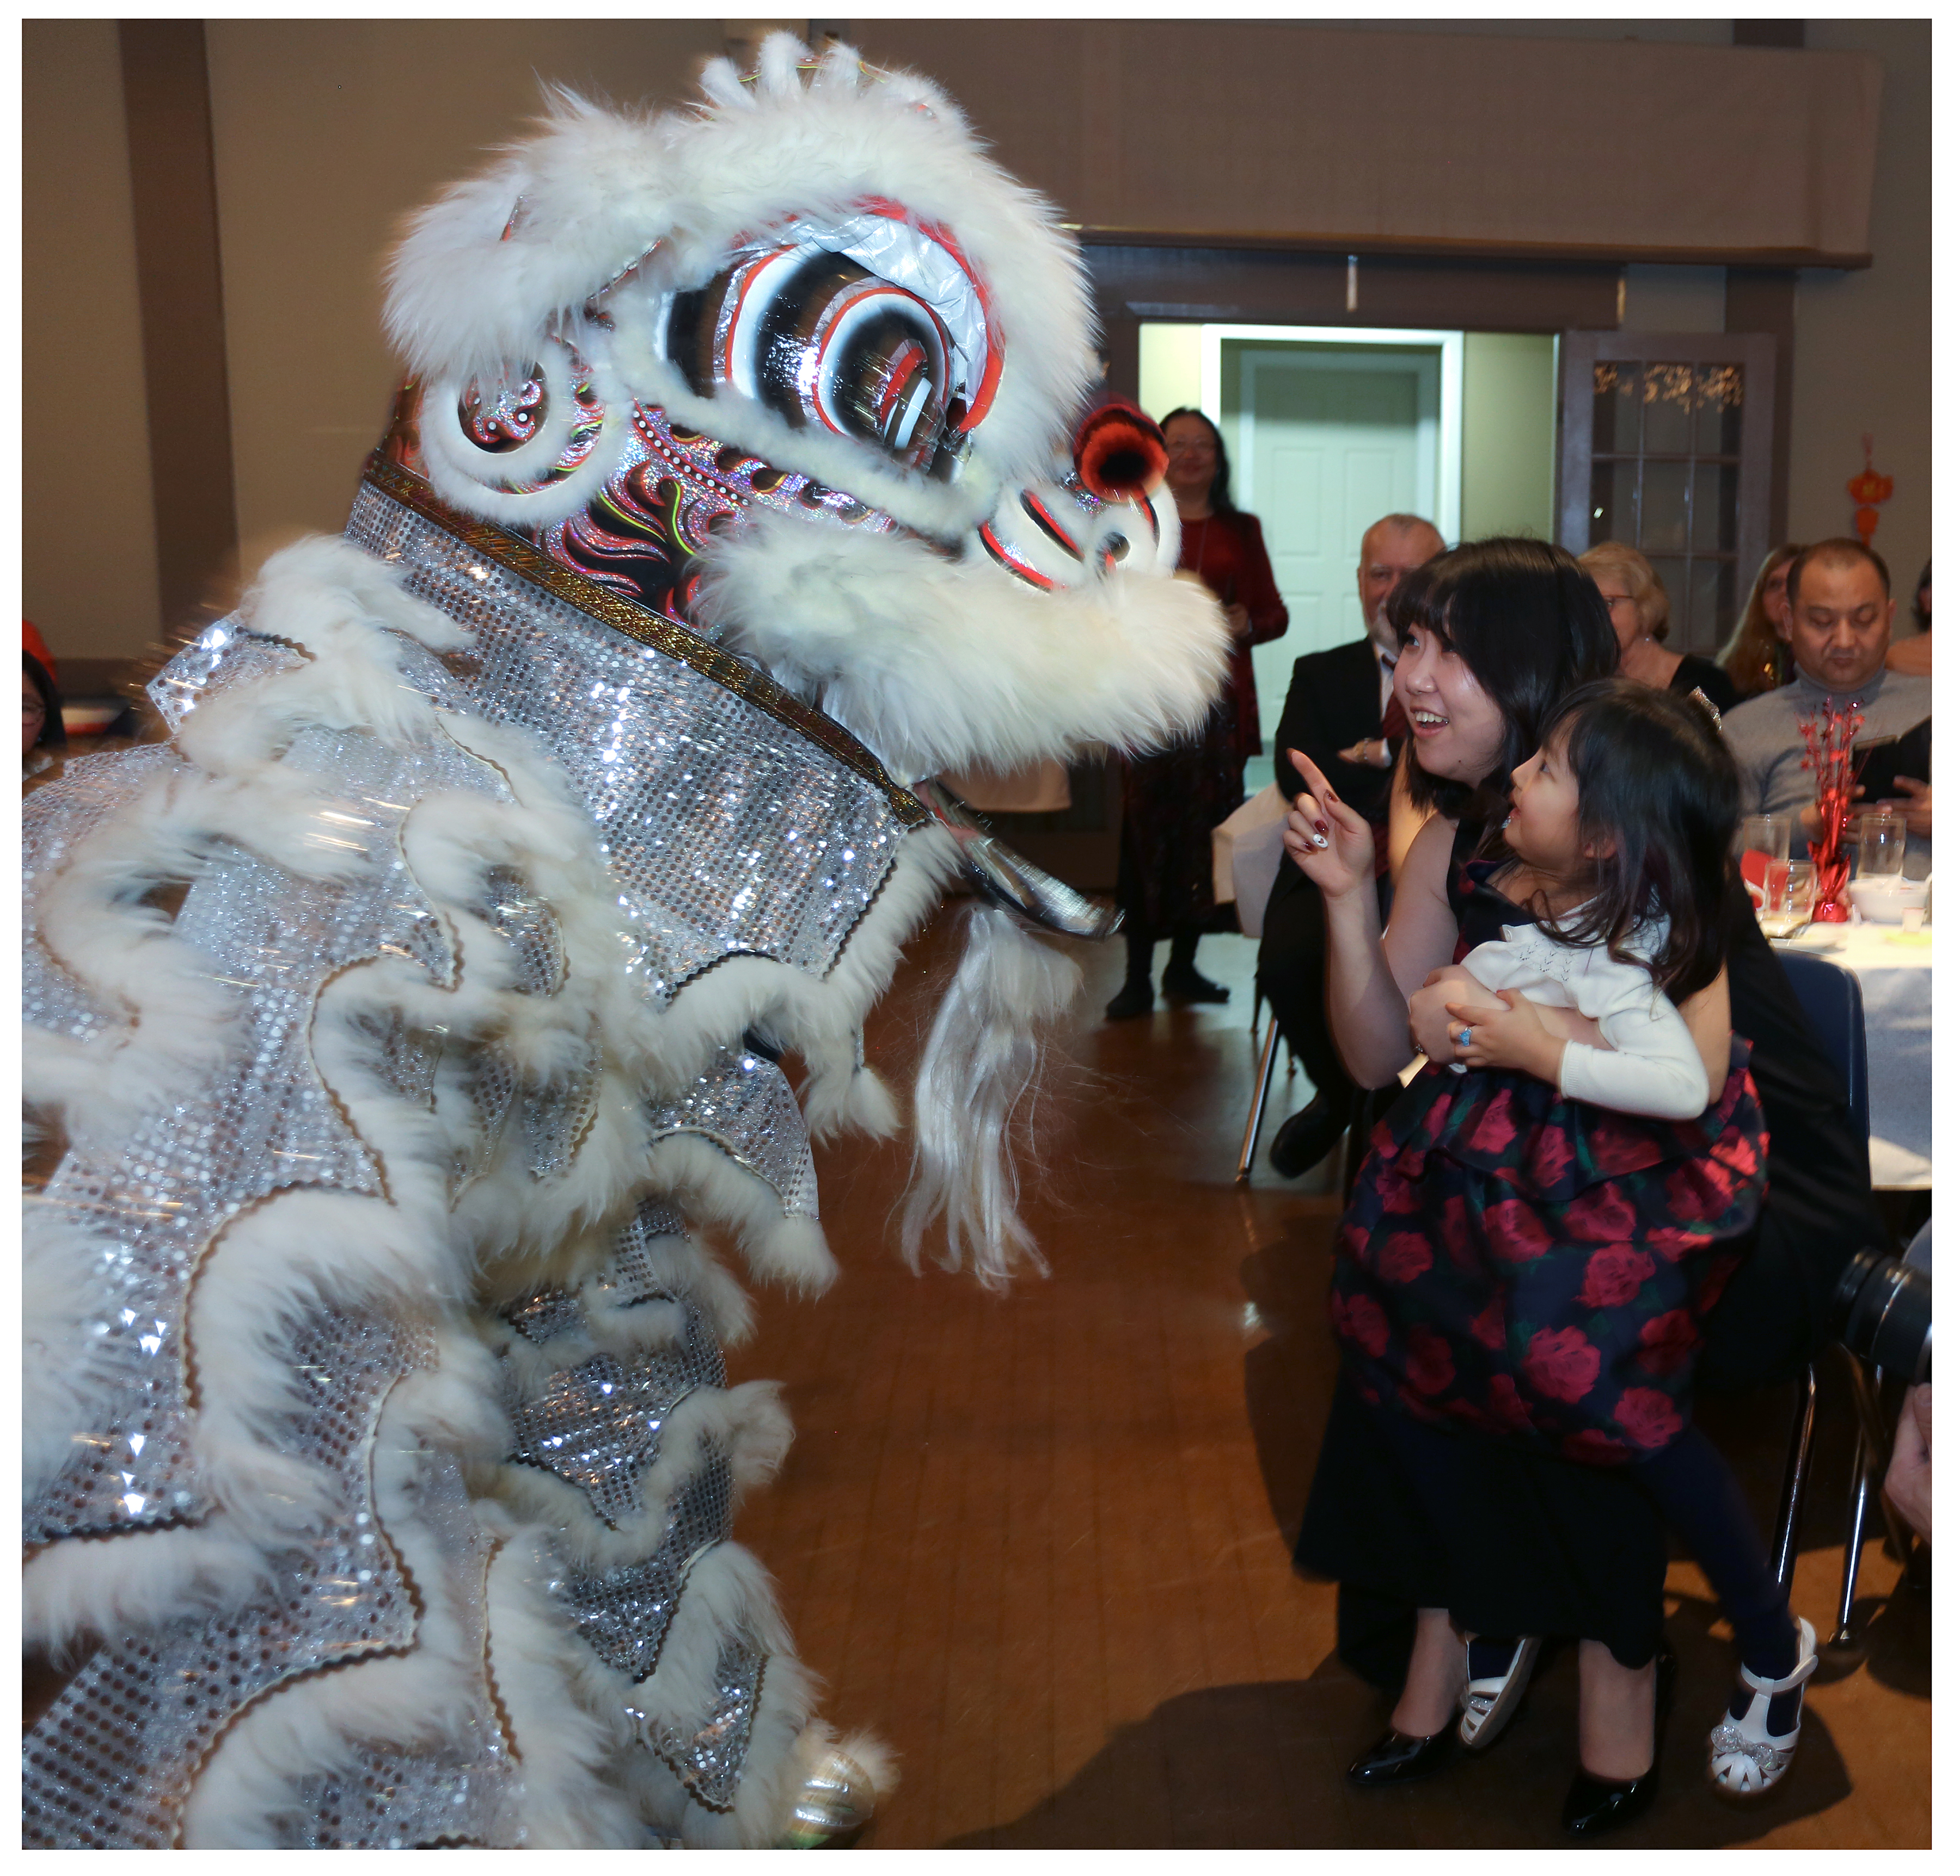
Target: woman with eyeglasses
[
  {"x": 1172, "y": 798},
  {"x": 1637, "y": 603},
  {"x": 43, "y": 737}
]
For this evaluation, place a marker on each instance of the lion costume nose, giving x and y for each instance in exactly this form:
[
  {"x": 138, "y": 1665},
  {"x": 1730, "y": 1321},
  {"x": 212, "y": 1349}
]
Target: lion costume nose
[
  {"x": 1120, "y": 453},
  {"x": 1112, "y": 509},
  {"x": 1059, "y": 535}
]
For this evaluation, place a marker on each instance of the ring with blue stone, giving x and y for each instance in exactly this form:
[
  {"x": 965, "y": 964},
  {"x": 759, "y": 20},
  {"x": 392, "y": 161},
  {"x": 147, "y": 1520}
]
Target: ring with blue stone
[{"x": 1464, "y": 1040}]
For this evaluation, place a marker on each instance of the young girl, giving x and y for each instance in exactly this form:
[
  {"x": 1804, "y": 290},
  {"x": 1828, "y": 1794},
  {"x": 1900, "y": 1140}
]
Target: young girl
[
  {"x": 1606, "y": 958},
  {"x": 1579, "y": 1248}
]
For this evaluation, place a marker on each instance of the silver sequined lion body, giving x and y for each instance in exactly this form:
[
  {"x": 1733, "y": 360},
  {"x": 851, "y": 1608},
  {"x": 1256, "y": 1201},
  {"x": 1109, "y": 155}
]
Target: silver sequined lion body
[{"x": 405, "y": 1034}]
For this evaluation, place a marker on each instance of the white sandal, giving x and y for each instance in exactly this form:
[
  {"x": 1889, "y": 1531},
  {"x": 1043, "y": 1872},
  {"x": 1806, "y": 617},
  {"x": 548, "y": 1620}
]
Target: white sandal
[
  {"x": 1746, "y": 1759},
  {"x": 1488, "y": 1703}
]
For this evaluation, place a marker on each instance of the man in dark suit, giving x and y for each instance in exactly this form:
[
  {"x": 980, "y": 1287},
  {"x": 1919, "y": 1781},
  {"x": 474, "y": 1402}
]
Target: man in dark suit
[{"x": 1334, "y": 715}]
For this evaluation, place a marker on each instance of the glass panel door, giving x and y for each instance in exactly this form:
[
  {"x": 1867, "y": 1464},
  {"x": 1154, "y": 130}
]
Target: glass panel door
[{"x": 1664, "y": 443}]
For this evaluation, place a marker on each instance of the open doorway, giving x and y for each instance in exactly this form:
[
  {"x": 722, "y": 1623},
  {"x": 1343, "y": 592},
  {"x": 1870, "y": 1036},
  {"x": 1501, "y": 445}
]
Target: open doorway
[{"x": 1329, "y": 428}]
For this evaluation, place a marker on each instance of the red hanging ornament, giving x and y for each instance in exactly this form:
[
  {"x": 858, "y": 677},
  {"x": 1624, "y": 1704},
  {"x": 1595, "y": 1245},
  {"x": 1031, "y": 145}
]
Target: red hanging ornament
[{"x": 1867, "y": 490}]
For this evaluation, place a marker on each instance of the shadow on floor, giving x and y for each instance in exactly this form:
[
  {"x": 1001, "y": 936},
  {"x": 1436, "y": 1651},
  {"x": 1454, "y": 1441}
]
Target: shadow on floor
[
  {"x": 1895, "y": 1634},
  {"x": 1290, "y": 1374},
  {"x": 1262, "y": 1766}
]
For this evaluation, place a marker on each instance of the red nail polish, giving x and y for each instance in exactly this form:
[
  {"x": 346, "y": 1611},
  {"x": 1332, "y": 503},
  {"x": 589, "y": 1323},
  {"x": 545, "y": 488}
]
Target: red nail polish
[{"x": 1320, "y": 826}]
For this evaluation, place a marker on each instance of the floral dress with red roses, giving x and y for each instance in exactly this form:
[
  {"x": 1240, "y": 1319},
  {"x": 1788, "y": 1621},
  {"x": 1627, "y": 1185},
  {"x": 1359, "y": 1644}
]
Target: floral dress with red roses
[{"x": 1536, "y": 1269}]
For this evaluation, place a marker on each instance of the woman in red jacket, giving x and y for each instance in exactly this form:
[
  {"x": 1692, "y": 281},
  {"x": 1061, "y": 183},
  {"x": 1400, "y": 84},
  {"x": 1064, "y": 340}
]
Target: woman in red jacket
[{"x": 1172, "y": 800}]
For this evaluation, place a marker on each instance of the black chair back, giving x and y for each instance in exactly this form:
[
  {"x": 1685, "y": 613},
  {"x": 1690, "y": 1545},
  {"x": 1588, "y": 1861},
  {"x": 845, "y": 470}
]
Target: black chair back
[{"x": 1835, "y": 1007}]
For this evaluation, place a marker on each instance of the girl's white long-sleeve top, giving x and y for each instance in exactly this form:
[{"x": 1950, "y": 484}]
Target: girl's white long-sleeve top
[{"x": 1652, "y": 1066}]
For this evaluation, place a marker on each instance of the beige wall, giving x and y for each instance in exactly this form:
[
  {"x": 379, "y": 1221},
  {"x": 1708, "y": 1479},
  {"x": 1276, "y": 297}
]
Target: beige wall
[
  {"x": 326, "y": 132},
  {"x": 1510, "y": 407},
  {"x": 1170, "y": 366},
  {"x": 89, "y": 549},
  {"x": 1286, "y": 128},
  {"x": 1864, "y": 341},
  {"x": 1511, "y": 433}
]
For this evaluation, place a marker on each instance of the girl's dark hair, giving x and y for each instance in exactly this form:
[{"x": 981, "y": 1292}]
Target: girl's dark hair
[
  {"x": 1526, "y": 619},
  {"x": 1220, "y": 499},
  {"x": 1656, "y": 783}
]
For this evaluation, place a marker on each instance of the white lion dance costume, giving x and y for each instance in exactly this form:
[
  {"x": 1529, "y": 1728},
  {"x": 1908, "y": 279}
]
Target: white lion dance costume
[{"x": 403, "y": 1034}]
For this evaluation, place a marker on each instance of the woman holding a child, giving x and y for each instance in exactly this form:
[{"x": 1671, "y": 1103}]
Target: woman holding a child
[{"x": 1460, "y": 1534}]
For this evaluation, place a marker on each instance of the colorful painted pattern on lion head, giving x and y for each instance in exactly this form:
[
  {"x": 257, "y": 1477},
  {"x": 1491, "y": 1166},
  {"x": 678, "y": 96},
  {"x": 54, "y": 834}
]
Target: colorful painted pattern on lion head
[{"x": 799, "y": 368}]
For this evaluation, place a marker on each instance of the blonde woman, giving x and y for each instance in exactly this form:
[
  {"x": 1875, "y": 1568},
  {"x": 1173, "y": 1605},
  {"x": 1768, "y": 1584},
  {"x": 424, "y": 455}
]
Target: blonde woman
[
  {"x": 1757, "y": 657},
  {"x": 1637, "y": 602}
]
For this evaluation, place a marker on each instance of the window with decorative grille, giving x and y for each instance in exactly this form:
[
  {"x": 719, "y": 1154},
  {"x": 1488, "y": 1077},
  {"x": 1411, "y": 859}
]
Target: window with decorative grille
[{"x": 1665, "y": 443}]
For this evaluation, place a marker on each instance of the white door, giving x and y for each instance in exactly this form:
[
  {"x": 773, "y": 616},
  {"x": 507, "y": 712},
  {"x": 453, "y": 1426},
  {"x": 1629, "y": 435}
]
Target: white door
[{"x": 1325, "y": 442}]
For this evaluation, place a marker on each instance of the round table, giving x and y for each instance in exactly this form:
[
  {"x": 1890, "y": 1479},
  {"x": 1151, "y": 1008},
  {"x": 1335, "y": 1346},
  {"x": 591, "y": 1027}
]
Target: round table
[{"x": 1895, "y": 971}]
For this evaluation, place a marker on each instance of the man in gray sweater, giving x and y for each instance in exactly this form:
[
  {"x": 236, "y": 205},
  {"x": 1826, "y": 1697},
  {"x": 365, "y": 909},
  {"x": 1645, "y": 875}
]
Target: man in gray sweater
[{"x": 1840, "y": 627}]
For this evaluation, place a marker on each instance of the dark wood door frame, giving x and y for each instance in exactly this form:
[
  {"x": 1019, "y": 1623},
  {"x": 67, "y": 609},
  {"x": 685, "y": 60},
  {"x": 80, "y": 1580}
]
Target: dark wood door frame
[
  {"x": 1138, "y": 280},
  {"x": 1756, "y": 353},
  {"x": 1763, "y": 300},
  {"x": 1267, "y": 285},
  {"x": 167, "y": 103}
]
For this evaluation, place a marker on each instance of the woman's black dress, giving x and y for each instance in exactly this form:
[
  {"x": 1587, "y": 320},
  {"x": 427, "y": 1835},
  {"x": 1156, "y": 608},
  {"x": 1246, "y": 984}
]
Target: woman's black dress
[
  {"x": 1173, "y": 797},
  {"x": 1405, "y": 1516},
  {"x": 1704, "y": 674}
]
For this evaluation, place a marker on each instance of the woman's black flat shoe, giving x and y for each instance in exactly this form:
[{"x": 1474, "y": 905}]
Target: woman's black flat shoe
[
  {"x": 1593, "y": 1806},
  {"x": 1185, "y": 986},
  {"x": 1134, "y": 999},
  {"x": 1306, "y": 1138},
  {"x": 1396, "y": 1758}
]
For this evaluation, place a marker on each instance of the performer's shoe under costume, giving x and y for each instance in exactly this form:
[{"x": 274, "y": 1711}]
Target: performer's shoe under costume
[{"x": 405, "y": 1033}]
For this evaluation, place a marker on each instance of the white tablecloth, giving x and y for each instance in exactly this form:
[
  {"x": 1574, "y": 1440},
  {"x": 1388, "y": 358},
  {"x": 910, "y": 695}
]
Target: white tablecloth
[
  {"x": 1895, "y": 971},
  {"x": 1247, "y": 853}
]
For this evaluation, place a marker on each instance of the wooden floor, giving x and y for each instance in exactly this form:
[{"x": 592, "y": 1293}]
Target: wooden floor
[{"x": 1041, "y": 1543}]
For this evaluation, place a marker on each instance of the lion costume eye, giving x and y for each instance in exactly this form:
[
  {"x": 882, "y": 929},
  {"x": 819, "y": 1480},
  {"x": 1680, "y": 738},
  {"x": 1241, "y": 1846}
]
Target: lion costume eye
[
  {"x": 873, "y": 329},
  {"x": 819, "y": 340}
]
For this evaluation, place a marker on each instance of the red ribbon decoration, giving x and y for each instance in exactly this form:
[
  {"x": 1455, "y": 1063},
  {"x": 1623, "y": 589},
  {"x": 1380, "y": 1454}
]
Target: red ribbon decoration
[{"x": 1828, "y": 733}]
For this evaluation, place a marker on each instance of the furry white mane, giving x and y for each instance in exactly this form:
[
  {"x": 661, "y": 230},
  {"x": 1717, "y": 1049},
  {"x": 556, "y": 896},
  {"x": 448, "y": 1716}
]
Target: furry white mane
[
  {"x": 945, "y": 665},
  {"x": 512, "y": 257},
  {"x": 924, "y": 647}
]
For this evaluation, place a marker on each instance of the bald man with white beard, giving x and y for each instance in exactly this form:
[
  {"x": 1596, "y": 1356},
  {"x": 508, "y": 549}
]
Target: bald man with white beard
[{"x": 1334, "y": 714}]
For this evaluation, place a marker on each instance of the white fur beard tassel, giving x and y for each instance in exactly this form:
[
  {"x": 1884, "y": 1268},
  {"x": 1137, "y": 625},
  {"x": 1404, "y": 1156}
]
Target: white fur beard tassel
[{"x": 983, "y": 1065}]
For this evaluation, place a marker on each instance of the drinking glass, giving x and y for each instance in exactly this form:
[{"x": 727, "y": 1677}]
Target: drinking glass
[
  {"x": 1880, "y": 843},
  {"x": 1759, "y": 839},
  {"x": 1766, "y": 834},
  {"x": 1790, "y": 890}
]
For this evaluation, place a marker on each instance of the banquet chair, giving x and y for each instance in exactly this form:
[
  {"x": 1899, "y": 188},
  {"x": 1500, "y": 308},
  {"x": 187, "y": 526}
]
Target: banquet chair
[
  {"x": 1254, "y": 859},
  {"x": 1262, "y": 1082},
  {"x": 1835, "y": 1008}
]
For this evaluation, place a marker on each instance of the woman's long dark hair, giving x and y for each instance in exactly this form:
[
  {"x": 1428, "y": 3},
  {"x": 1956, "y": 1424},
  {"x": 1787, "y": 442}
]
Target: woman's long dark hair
[
  {"x": 1530, "y": 625},
  {"x": 1220, "y": 499},
  {"x": 1658, "y": 790}
]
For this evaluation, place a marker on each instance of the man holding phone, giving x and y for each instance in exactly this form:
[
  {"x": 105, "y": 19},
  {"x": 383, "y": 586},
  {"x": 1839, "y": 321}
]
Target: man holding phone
[{"x": 1839, "y": 631}]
